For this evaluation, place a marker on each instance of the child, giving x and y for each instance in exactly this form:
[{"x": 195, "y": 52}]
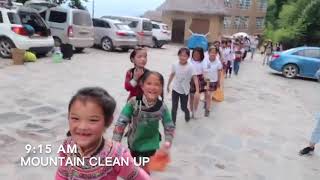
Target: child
[
  {"x": 227, "y": 59},
  {"x": 268, "y": 52},
  {"x": 315, "y": 138},
  {"x": 196, "y": 61},
  {"x": 133, "y": 76},
  {"x": 90, "y": 114},
  {"x": 183, "y": 73},
  {"x": 144, "y": 113},
  {"x": 237, "y": 58},
  {"x": 212, "y": 73}
]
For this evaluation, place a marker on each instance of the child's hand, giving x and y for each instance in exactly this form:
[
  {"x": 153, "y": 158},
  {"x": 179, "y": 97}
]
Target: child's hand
[
  {"x": 165, "y": 148},
  {"x": 138, "y": 73}
]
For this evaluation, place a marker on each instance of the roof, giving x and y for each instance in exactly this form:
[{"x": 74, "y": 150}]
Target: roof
[
  {"x": 125, "y": 17},
  {"x": 196, "y": 6},
  {"x": 113, "y": 21}
]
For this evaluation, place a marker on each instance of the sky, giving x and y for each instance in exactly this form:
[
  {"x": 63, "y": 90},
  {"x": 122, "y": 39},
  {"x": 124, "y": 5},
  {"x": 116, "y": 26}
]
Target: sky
[{"x": 122, "y": 7}]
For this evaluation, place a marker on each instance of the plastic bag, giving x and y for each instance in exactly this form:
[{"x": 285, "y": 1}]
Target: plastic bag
[
  {"x": 218, "y": 95},
  {"x": 160, "y": 160},
  {"x": 29, "y": 57}
]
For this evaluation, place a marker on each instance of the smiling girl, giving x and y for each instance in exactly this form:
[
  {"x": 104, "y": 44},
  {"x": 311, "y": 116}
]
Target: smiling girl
[
  {"x": 90, "y": 114},
  {"x": 144, "y": 113}
]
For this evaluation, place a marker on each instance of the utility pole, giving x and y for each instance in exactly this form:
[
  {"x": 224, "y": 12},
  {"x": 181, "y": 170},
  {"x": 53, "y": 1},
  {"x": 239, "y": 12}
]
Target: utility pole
[{"x": 92, "y": 8}]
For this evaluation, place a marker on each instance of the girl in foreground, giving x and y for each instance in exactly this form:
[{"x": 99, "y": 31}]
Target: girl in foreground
[{"x": 90, "y": 114}]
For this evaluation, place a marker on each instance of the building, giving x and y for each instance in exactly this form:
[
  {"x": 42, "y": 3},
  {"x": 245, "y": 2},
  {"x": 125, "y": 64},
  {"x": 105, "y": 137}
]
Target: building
[{"x": 219, "y": 18}]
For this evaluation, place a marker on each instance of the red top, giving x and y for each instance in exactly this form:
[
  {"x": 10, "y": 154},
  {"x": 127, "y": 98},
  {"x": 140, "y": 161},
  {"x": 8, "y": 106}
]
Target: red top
[{"x": 133, "y": 91}]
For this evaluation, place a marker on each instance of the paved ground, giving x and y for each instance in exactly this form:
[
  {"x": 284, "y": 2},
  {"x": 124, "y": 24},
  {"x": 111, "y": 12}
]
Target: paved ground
[{"x": 254, "y": 134}]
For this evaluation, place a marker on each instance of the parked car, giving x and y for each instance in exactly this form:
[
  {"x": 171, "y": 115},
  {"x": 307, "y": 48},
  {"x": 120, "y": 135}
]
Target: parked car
[
  {"x": 111, "y": 34},
  {"x": 141, "y": 26},
  {"x": 318, "y": 75},
  {"x": 14, "y": 32},
  {"x": 301, "y": 61},
  {"x": 161, "y": 34},
  {"x": 68, "y": 26}
]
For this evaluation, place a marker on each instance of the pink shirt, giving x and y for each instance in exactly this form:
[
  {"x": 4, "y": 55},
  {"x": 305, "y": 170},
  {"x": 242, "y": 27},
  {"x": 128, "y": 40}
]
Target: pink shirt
[{"x": 87, "y": 172}]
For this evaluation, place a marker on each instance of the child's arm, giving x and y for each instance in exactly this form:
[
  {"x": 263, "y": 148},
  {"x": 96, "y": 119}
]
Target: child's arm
[
  {"x": 130, "y": 83},
  {"x": 168, "y": 125},
  {"x": 123, "y": 121},
  {"x": 170, "y": 80}
]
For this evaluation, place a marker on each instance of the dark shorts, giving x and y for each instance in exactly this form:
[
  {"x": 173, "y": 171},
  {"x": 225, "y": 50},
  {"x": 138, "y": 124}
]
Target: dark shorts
[
  {"x": 138, "y": 154},
  {"x": 212, "y": 86},
  {"x": 202, "y": 84}
]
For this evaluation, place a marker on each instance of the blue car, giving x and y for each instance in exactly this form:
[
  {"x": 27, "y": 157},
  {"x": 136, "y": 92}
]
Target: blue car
[{"x": 301, "y": 61}]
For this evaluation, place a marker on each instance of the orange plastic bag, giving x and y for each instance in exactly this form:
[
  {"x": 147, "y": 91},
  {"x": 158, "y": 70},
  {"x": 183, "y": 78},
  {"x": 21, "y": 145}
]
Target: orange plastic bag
[
  {"x": 160, "y": 160},
  {"x": 218, "y": 95}
]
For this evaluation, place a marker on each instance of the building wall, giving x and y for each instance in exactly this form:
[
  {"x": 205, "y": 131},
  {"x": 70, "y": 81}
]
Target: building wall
[{"x": 217, "y": 29}]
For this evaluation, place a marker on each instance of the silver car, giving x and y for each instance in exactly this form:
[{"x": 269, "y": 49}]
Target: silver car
[{"x": 111, "y": 34}]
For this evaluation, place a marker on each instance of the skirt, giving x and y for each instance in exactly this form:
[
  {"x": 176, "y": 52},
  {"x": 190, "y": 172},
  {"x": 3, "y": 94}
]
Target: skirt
[{"x": 202, "y": 84}]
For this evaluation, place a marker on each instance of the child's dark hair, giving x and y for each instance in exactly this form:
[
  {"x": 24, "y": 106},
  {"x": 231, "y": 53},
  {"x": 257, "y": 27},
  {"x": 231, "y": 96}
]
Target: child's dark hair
[
  {"x": 214, "y": 48},
  {"x": 199, "y": 50},
  {"x": 184, "y": 50},
  {"x": 134, "y": 52},
  {"x": 145, "y": 77},
  {"x": 99, "y": 96}
]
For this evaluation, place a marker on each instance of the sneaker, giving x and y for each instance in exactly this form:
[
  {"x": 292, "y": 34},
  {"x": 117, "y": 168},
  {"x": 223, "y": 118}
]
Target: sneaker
[
  {"x": 306, "y": 150},
  {"x": 206, "y": 113},
  {"x": 195, "y": 115}
]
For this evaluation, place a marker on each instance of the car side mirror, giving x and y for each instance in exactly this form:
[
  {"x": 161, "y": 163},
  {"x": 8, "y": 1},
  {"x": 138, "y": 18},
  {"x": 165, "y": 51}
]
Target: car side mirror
[{"x": 30, "y": 30}]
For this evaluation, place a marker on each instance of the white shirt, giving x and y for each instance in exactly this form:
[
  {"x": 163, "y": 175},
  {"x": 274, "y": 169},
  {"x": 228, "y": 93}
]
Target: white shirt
[
  {"x": 211, "y": 69},
  {"x": 183, "y": 76},
  {"x": 255, "y": 43},
  {"x": 198, "y": 66},
  {"x": 226, "y": 54}
]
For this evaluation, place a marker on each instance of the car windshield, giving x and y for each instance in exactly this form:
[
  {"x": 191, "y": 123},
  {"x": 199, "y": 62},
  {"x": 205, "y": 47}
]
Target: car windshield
[
  {"x": 82, "y": 19},
  {"x": 123, "y": 27},
  {"x": 14, "y": 18}
]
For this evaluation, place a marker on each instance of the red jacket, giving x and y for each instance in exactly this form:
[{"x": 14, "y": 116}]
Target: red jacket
[{"x": 133, "y": 91}]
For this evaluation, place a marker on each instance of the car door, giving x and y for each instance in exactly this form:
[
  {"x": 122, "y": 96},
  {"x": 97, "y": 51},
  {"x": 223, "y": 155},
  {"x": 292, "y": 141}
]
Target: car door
[
  {"x": 57, "y": 21},
  {"x": 311, "y": 62},
  {"x": 98, "y": 30}
]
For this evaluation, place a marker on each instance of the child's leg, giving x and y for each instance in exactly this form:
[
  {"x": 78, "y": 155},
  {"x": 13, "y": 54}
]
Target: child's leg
[
  {"x": 191, "y": 102},
  {"x": 196, "y": 101},
  {"x": 315, "y": 138},
  {"x": 184, "y": 106},
  {"x": 175, "y": 102}
]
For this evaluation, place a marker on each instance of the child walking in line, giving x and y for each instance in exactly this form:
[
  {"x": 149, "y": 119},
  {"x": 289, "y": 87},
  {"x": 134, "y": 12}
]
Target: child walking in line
[
  {"x": 182, "y": 73},
  {"x": 227, "y": 59},
  {"x": 237, "y": 58},
  {"x": 196, "y": 61},
  {"x": 268, "y": 53},
  {"x": 134, "y": 75},
  {"x": 212, "y": 73},
  {"x": 315, "y": 138},
  {"x": 90, "y": 114},
  {"x": 143, "y": 114}
]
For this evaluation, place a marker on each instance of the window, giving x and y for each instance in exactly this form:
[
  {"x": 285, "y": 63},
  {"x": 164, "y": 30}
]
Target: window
[
  {"x": 14, "y": 18},
  {"x": 106, "y": 25},
  {"x": 244, "y": 4},
  {"x": 133, "y": 24},
  {"x": 227, "y": 22},
  {"x": 123, "y": 27},
  {"x": 43, "y": 14},
  {"x": 244, "y": 22},
  {"x": 155, "y": 26},
  {"x": 262, "y": 5},
  {"x": 228, "y": 3},
  {"x": 81, "y": 19},
  {"x": 1, "y": 20},
  {"x": 58, "y": 17},
  {"x": 236, "y": 23},
  {"x": 147, "y": 26},
  {"x": 259, "y": 22},
  {"x": 312, "y": 53}
]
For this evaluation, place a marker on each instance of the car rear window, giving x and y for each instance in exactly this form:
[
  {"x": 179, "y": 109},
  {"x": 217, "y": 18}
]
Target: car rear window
[
  {"x": 58, "y": 17},
  {"x": 155, "y": 26},
  {"x": 133, "y": 24},
  {"x": 14, "y": 18},
  {"x": 147, "y": 26},
  {"x": 82, "y": 19},
  {"x": 123, "y": 27},
  {"x": 32, "y": 19}
]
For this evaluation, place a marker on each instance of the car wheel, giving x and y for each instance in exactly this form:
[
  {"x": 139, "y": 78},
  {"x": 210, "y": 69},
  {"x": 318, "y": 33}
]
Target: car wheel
[
  {"x": 107, "y": 44},
  {"x": 5, "y": 47},
  {"x": 79, "y": 50},
  {"x": 57, "y": 42},
  {"x": 154, "y": 43},
  {"x": 290, "y": 71}
]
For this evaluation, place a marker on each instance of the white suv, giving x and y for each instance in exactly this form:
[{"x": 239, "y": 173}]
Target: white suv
[
  {"x": 161, "y": 34},
  {"x": 14, "y": 33}
]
